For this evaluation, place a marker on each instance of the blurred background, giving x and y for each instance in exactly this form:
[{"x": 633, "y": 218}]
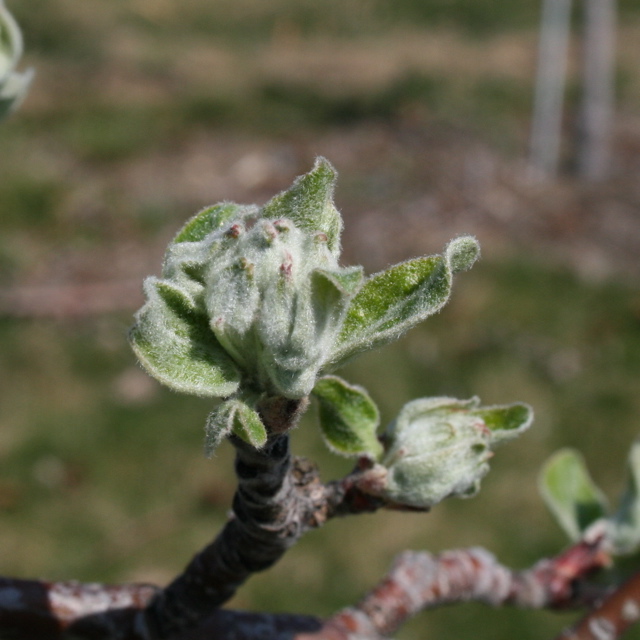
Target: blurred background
[{"x": 143, "y": 112}]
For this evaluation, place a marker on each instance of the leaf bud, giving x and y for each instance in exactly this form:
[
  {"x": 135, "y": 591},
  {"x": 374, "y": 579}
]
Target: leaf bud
[
  {"x": 440, "y": 447},
  {"x": 13, "y": 85}
]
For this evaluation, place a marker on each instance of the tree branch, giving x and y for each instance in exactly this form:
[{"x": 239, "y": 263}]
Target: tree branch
[
  {"x": 419, "y": 581},
  {"x": 610, "y": 618},
  {"x": 267, "y": 520},
  {"x": 278, "y": 499}
]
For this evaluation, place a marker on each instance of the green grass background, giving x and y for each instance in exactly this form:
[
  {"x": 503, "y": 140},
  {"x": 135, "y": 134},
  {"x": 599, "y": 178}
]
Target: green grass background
[{"x": 102, "y": 476}]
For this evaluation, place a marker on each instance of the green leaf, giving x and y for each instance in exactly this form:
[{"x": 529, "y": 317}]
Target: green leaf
[
  {"x": 391, "y": 302},
  {"x": 234, "y": 416},
  {"x": 248, "y": 425},
  {"x": 309, "y": 204},
  {"x": 176, "y": 346},
  {"x": 348, "y": 418},
  {"x": 13, "y": 85},
  {"x": 14, "y": 91},
  {"x": 10, "y": 42},
  {"x": 570, "y": 493},
  {"x": 507, "y": 421},
  {"x": 329, "y": 296},
  {"x": 626, "y": 522},
  {"x": 211, "y": 219},
  {"x": 347, "y": 281},
  {"x": 461, "y": 253},
  {"x": 219, "y": 425}
]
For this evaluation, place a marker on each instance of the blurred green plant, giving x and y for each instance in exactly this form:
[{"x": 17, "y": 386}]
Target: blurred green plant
[
  {"x": 579, "y": 505},
  {"x": 13, "y": 85}
]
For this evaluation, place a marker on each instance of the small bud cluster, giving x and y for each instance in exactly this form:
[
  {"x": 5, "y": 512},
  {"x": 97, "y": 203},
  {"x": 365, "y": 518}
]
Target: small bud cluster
[
  {"x": 440, "y": 447},
  {"x": 263, "y": 295}
]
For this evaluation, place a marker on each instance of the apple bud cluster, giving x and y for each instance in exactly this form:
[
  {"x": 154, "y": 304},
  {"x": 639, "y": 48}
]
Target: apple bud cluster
[
  {"x": 253, "y": 303},
  {"x": 441, "y": 447}
]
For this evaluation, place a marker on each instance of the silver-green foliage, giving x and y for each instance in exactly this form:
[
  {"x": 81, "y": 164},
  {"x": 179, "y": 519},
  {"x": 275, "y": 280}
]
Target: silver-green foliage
[
  {"x": 253, "y": 305},
  {"x": 440, "y": 447},
  {"x": 13, "y": 85},
  {"x": 349, "y": 418},
  {"x": 434, "y": 449},
  {"x": 578, "y": 504},
  {"x": 252, "y": 300}
]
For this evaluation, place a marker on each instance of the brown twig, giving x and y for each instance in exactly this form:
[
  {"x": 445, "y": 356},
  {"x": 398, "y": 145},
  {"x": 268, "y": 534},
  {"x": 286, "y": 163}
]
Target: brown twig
[
  {"x": 419, "y": 581},
  {"x": 610, "y": 618},
  {"x": 36, "y": 609},
  {"x": 278, "y": 499},
  {"x": 260, "y": 531}
]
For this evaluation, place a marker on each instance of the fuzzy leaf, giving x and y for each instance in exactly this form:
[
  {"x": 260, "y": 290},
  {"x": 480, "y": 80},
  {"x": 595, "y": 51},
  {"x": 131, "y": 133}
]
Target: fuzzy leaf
[
  {"x": 309, "y": 204},
  {"x": 391, "y": 302},
  {"x": 212, "y": 218},
  {"x": 461, "y": 253},
  {"x": 441, "y": 447},
  {"x": 14, "y": 91},
  {"x": 248, "y": 425},
  {"x": 232, "y": 302},
  {"x": 13, "y": 85},
  {"x": 219, "y": 425},
  {"x": 507, "y": 421},
  {"x": 626, "y": 522},
  {"x": 10, "y": 42},
  {"x": 348, "y": 418},
  {"x": 347, "y": 281},
  {"x": 570, "y": 493},
  {"x": 237, "y": 417},
  {"x": 330, "y": 294},
  {"x": 175, "y": 344}
]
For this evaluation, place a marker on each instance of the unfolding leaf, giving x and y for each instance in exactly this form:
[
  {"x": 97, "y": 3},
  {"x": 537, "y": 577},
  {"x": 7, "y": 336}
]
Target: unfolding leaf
[
  {"x": 175, "y": 344},
  {"x": 507, "y": 421},
  {"x": 13, "y": 91},
  {"x": 236, "y": 416},
  {"x": 570, "y": 493},
  {"x": 248, "y": 425},
  {"x": 461, "y": 253},
  {"x": 212, "y": 218},
  {"x": 347, "y": 281},
  {"x": 330, "y": 293},
  {"x": 626, "y": 522},
  {"x": 348, "y": 417},
  {"x": 13, "y": 85},
  {"x": 391, "y": 302},
  {"x": 441, "y": 447},
  {"x": 219, "y": 425},
  {"x": 309, "y": 204}
]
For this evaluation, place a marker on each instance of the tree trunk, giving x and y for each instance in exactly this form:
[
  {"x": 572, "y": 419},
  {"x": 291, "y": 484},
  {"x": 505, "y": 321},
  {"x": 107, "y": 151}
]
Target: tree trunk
[
  {"x": 550, "y": 84},
  {"x": 594, "y": 156}
]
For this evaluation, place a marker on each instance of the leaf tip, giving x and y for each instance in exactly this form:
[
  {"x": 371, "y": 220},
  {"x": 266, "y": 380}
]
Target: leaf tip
[{"x": 462, "y": 253}]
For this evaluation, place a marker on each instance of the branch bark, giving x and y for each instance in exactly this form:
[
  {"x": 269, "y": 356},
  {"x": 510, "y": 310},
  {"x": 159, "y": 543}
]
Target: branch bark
[
  {"x": 612, "y": 617},
  {"x": 279, "y": 498},
  {"x": 417, "y": 581}
]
